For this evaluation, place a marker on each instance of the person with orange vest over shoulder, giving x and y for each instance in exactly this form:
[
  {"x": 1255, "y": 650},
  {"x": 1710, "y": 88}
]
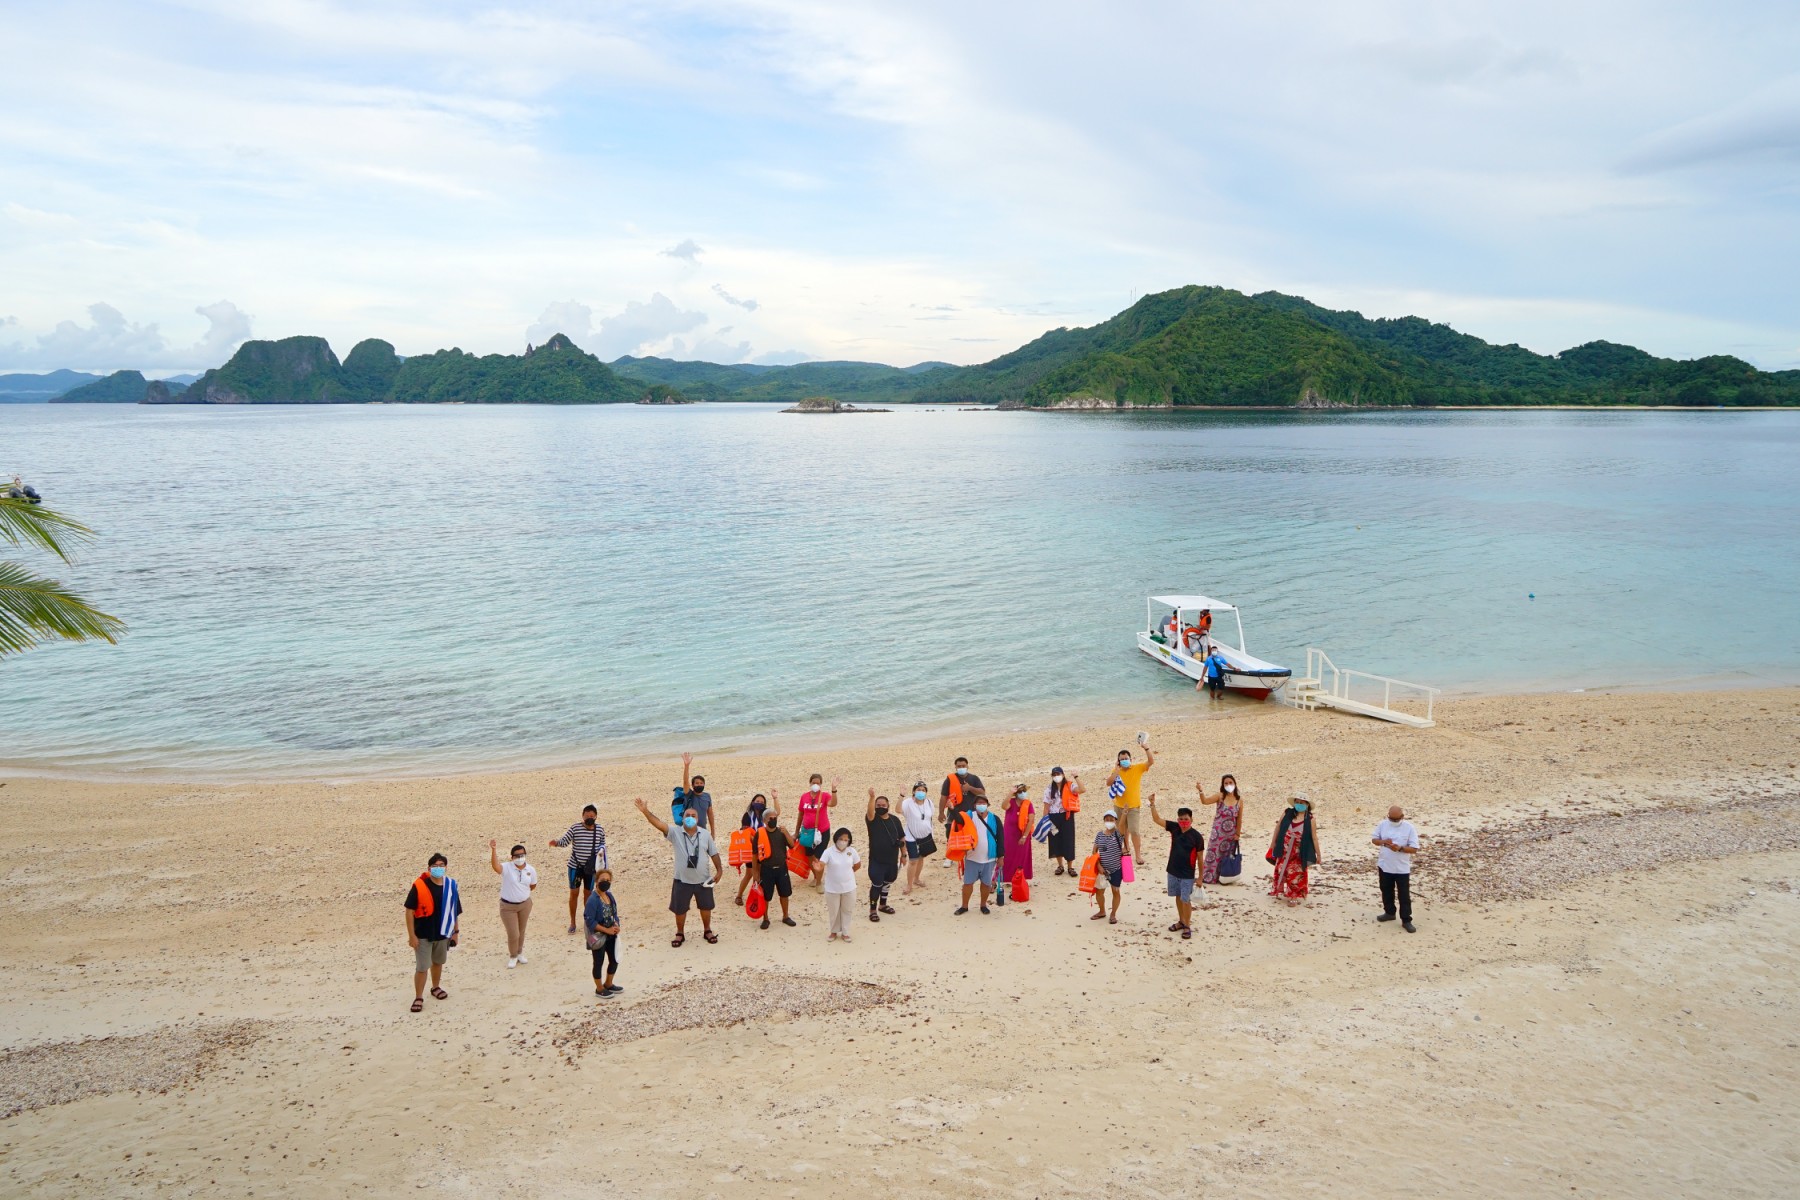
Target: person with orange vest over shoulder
[
  {"x": 962, "y": 787},
  {"x": 771, "y": 846},
  {"x": 750, "y": 824},
  {"x": 978, "y": 833},
  {"x": 433, "y": 905}
]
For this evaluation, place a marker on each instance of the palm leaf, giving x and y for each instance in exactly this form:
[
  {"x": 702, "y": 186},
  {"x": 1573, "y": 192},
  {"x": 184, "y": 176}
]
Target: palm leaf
[
  {"x": 34, "y": 609},
  {"x": 25, "y": 524}
]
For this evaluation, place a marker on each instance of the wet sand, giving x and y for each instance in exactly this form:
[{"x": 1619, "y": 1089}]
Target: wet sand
[{"x": 1600, "y": 1000}]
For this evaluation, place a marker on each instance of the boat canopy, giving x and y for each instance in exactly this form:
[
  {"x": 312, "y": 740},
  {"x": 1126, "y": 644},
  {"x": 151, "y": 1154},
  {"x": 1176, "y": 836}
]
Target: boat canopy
[{"x": 1186, "y": 602}]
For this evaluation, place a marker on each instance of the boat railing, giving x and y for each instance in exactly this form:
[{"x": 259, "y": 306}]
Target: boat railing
[{"x": 1325, "y": 681}]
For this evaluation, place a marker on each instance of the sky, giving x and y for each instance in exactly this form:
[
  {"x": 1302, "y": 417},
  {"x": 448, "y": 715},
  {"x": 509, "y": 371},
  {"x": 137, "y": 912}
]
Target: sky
[{"x": 779, "y": 180}]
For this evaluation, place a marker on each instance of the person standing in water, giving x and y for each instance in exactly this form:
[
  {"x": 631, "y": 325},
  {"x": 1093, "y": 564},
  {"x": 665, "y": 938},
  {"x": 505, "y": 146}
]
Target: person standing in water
[
  {"x": 518, "y": 879},
  {"x": 915, "y": 814},
  {"x": 1062, "y": 800},
  {"x": 1227, "y": 825},
  {"x": 887, "y": 838}
]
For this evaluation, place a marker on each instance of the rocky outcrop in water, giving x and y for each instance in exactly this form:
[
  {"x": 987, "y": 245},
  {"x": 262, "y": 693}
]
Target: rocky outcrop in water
[
  {"x": 121, "y": 387},
  {"x": 825, "y": 404}
]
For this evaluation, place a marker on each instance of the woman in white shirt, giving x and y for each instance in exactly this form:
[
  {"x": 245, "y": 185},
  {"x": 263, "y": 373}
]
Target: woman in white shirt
[
  {"x": 518, "y": 879},
  {"x": 915, "y": 814},
  {"x": 840, "y": 862}
]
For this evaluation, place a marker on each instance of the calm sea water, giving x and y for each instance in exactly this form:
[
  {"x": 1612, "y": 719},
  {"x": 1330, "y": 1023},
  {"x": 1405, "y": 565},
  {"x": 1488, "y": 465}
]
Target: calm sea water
[{"x": 419, "y": 589}]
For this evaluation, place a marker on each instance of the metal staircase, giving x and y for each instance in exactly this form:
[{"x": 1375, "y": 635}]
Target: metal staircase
[{"x": 1327, "y": 685}]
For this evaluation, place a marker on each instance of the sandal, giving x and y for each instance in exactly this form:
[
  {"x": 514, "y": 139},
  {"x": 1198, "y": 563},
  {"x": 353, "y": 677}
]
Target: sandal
[
  {"x": 678, "y": 939},
  {"x": 418, "y": 1004},
  {"x": 986, "y": 911},
  {"x": 1097, "y": 916},
  {"x": 1177, "y": 927},
  {"x": 712, "y": 938},
  {"x": 873, "y": 915},
  {"x": 765, "y": 922},
  {"x": 1187, "y": 933},
  {"x": 887, "y": 910},
  {"x": 439, "y": 993},
  {"x": 1112, "y": 920},
  {"x": 959, "y": 912}
]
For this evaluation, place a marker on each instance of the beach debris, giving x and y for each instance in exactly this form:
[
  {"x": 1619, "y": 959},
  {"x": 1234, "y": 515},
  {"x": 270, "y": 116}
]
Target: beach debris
[
  {"x": 159, "y": 1061},
  {"x": 718, "y": 1000},
  {"x": 1535, "y": 856}
]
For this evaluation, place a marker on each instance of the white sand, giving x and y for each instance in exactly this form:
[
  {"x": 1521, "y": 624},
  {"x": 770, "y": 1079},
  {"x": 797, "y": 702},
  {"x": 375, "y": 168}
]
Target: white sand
[{"x": 1626, "y": 1034}]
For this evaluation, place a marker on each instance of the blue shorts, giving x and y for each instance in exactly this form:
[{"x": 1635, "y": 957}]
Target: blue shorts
[
  {"x": 580, "y": 878},
  {"x": 1181, "y": 889},
  {"x": 982, "y": 873}
]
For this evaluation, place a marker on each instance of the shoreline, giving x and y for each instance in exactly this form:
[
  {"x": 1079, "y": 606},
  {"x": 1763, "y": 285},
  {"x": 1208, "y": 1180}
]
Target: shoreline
[{"x": 725, "y": 744}]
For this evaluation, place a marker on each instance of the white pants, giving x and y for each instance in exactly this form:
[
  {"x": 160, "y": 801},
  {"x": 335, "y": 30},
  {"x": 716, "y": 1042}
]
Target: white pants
[{"x": 838, "y": 907}]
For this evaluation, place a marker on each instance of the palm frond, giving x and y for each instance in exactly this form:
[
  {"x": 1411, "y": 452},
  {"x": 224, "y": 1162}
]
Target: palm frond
[
  {"x": 25, "y": 524},
  {"x": 34, "y": 609}
]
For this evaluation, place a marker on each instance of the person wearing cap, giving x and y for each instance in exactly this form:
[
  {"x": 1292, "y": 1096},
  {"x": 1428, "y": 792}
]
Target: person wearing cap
[
  {"x": 1062, "y": 799},
  {"x": 915, "y": 815},
  {"x": 1293, "y": 849},
  {"x": 1109, "y": 844},
  {"x": 1399, "y": 841}
]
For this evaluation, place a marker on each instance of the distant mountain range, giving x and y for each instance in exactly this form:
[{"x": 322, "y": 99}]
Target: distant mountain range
[{"x": 1189, "y": 347}]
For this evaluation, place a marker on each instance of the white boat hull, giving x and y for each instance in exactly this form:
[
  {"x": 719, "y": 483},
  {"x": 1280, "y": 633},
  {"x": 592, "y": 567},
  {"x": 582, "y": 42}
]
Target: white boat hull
[{"x": 1244, "y": 674}]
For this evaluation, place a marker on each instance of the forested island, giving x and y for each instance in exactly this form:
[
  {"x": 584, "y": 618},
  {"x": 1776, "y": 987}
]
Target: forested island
[{"x": 1186, "y": 348}]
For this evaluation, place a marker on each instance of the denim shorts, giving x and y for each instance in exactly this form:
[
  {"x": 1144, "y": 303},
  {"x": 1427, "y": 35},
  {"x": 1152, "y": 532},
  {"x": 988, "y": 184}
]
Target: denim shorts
[
  {"x": 982, "y": 873},
  {"x": 1181, "y": 889}
]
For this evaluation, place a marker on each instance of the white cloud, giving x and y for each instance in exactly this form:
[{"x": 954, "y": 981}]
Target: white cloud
[
  {"x": 727, "y": 297},
  {"x": 688, "y": 249},
  {"x": 568, "y": 317},
  {"x": 110, "y": 342},
  {"x": 644, "y": 327}
]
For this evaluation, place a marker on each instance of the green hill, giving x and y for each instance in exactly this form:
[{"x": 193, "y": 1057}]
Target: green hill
[
  {"x": 121, "y": 387},
  {"x": 849, "y": 381},
  {"x": 557, "y": 372}
]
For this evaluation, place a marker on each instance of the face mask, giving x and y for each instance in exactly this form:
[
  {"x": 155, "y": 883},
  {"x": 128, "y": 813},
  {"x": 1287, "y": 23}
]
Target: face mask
[
  {"x": 604, "y": 885},
  {"x": 588, "y": 821},
  {"x": 1110, "y": 826},
  {"x": 1231, "y": 789},
  {"x": 690, "y": 822},
  {"x": 881, "y": 810},
  {"x": 770, "y": 824},
  {"x": 1056, "y": 779},
  {"x": 437, "y": 872},
  {"x": 962, "y": 770},
  {"x": 1185, "y": 823},
  {"x": 1124, "y": 762},
  {"x": 918, "y": 795},
  {"x": 843, "y": 846},
  {"x": 518, "y": 860},
  {"x": 818, "y": 788},
  {"x": 1300, "y": 808},
  {"x": 981, "y": 808}
]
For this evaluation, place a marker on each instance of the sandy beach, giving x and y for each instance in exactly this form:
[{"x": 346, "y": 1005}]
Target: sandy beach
[{"x": 205, "y": 988}]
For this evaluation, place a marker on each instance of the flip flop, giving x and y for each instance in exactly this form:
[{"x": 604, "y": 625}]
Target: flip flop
[
  {"x": 711, "y": 937},
  {"x": 1112, "y": 920},
  {"x": 418, "y": 1004},
  {"x": 439, "y": 993},
  {"x": 1097, "y": 916}
]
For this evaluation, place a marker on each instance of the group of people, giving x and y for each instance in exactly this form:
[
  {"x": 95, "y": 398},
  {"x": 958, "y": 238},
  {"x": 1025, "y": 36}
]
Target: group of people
[
  {"x": 992, "y": 850},
  {"x": 1196, "y": 639}
]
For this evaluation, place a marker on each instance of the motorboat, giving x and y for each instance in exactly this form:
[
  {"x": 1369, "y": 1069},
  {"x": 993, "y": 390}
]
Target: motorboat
[{"x": 1186, "y": 632}]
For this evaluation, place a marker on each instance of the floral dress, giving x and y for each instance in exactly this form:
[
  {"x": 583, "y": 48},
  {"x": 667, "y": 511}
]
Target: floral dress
[
  {"x": 1290, "y": 867},
  {"x": 1224, "y": 838}
]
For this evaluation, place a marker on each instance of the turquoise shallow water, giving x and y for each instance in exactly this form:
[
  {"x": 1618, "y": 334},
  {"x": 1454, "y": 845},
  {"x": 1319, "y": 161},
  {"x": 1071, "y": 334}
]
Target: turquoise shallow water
[{"x": 352, "y": 589}]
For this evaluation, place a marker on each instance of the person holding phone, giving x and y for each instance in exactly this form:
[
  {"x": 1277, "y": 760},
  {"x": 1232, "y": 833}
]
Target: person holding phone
[{"x": 694, "y": 850}]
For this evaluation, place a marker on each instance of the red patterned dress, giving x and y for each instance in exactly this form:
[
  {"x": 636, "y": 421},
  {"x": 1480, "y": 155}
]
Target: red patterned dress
[{"x": 1290, "y": 866}]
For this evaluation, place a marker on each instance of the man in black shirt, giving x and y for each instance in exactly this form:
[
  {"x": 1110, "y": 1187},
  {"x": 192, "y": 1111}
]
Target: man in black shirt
[
  {"x": 962, "y": 787},
  {"x": 887, "y": 850},
  {"x": 1185, "y": 847}
]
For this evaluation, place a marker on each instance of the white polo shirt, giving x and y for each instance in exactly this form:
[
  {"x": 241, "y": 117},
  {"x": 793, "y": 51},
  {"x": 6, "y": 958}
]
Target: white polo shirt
[
  {"x": 515, "y": 884},
  {"x": 1401, "y": 833}
]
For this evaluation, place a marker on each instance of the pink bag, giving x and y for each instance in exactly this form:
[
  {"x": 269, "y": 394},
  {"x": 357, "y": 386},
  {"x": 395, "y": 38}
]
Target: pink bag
[{"x": 1125, "y": 872}]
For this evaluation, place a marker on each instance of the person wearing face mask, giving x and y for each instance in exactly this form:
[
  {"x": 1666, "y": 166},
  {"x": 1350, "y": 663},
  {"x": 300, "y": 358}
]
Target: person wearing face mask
[
  {"x": 752, "y": 820},
  {"x": 518, "y": 879},
  {"x": 1016, "y": 826},
  {"x": 602, "y": 920},
  {"x": 887, "y": 842},
  {"x": 771, "y": 850},
  {"x": 915, "y": 815},
  {"x": 1399, "y": 842},
  {"x": 1185, "y": 847},
  {"x": 691, "y": 793},
  {"x": 433, "y": 905},
  {"x": 981, "y": 862},
  {"x": 812, "y": 823},
  {"x": 839, "y": 864},
  {"x": 694, "y": 879},
  {"x": 1293, "y": 849},
  {"x": 961, "y": 788},
  {"x": 1062, "y": 800},
  {"x": 1109, "y": 844},
  {"x": 587, "y": 854},
  {"x": 1227, "y": 826},
  {"x": 1126, "y": 781}
]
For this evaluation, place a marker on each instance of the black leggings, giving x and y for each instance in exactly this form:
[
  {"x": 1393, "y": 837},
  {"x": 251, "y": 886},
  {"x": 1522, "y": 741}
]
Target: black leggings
[{"x": 606, "y": 952}]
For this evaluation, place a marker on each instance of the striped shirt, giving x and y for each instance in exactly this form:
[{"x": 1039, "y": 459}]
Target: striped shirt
[
  {"x": 1111, "y": 849},
  {"x": 587, "y": 847}
]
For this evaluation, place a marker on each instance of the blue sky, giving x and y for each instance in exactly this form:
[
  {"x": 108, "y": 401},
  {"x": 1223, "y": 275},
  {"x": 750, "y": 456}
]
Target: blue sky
[{"x": 773, "y": 180}]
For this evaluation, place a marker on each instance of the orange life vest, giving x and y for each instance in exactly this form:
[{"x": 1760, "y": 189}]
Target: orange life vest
[
  {"x": 954, "y": 783},
  {"x": 422, "y": 891}
]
